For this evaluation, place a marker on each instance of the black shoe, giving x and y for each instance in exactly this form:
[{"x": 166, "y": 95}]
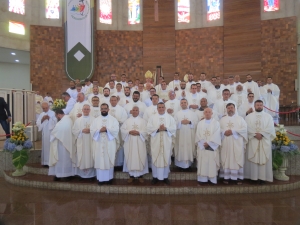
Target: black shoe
[
  {"x": 167, "y": 181},
  {"x": 66, "y": 179},
  {"x": 56, "y": 178},
  {"x": 109, "y": 182},
  {"x": 261, "y": 182},
  {"x": 101, "y": 183},
  {"x": 150, "y": 170},
  {"x": 154, "y": 181}
]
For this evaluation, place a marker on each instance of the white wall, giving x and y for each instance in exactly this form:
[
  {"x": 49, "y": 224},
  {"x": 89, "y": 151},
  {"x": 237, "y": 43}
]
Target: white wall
[{"x": 13, "y": 75}]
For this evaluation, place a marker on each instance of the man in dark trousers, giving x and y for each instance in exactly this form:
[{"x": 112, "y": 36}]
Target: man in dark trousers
[{"x": 5, "y": 117}]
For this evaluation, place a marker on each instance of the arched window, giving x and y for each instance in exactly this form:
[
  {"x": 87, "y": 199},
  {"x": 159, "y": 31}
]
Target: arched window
[
  {"x": 52, "y": 9},
  {"x": 183, "y": 9},
  {"x": 105, "y": 11},
  {"x": 17, "y": 6}
]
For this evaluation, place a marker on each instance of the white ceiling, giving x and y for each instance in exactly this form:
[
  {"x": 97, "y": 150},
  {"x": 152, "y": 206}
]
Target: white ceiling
[{"x": 7, "y": 57}]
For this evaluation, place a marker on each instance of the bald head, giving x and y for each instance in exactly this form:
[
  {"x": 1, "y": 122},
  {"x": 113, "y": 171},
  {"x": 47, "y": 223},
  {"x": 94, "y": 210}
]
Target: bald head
[
  {"x": 45, "y": 106},
  {"x": 172, "y": 95},
  {"x": 80, "y": 97},
  {"x": 86, "y": 109},
  {"x": 207, "y": 113},
  {"x": 135, "y": 111}
]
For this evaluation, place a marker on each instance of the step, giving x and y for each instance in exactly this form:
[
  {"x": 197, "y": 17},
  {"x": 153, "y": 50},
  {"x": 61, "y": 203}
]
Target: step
[
  {"x": 120, "y": 186},
  {"x": 175, "y": 174}
]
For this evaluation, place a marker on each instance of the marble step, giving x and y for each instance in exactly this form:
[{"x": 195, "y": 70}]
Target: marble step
[
  {"x": 120, "y": 186},
  {"x": 175, "y": 174}
]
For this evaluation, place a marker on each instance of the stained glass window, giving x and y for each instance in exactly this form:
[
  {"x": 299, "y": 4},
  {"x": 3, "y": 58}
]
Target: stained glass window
[
  {"x": 105, "y": 11},
  {"x": 213, "y": 10},
  {"x": 17, "y": 6},
  {"x": 183, "y": 11},
  {"x": 16, "y": 27},
  {"x": 271, "y": 5},
  {"x": 52, "y": 9},
  {"x": 134, "y": 12}
]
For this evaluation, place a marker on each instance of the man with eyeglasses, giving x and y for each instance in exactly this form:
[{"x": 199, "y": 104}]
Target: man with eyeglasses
[{"x": 247, "y": 107}]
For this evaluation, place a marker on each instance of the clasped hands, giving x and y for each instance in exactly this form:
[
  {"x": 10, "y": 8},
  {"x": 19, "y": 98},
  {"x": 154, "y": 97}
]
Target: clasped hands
[
  {"x": 258, "y": 136},
  {"x": 86, "y": 130},
  {"x": 103, "y": 129},
  {"x": 185, "y": 121},
  {"x": 46, "y": 117},
  {"x": 228, "y": 133},
  {"x": 134, "y": 133}
]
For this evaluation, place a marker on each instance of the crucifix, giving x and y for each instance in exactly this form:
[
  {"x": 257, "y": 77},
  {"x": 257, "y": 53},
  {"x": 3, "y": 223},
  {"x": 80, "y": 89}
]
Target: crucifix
[{"x": 156, "y": 10}]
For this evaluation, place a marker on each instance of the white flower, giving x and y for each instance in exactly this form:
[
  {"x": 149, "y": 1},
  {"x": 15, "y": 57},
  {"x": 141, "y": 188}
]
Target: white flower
[{"x": 19, "y": 147}]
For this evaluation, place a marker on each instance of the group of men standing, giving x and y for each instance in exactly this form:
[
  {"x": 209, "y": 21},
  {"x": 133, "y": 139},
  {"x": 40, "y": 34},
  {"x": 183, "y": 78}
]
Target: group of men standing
[{"x": 139, "y": 126}]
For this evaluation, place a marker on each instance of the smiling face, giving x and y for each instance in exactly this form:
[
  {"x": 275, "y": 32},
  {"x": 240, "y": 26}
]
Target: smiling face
[
  {"x": 161, "y": 108},
  {"x": 86, "y": 110}
]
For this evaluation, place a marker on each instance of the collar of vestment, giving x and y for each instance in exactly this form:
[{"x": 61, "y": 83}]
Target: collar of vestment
[
  {"x": 86, "y": 117},
  {"x": 207, "y": 121}
]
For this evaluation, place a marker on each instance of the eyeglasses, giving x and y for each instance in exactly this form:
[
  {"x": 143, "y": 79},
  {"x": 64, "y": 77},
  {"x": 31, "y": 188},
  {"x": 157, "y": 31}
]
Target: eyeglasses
[
  {"x": 251, "y": 96},
  {"x": 95, "y": 100}
]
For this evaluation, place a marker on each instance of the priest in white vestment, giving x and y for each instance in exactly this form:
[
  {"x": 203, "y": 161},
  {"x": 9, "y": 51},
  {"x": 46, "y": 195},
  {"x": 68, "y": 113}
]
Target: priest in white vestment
[
  {"x": 45, "y": 123},
  {"x": 70, "y": 103},
  {"x": 105, "y": 130},
  {"x": 48, "y": 99},
  {"x": 120, "y": 114},
  {"x": 203, "y": 106},
  {"x": 181, "y": 92},
  {"x": 72, "y": 90},
  {"x": 164, "y": 92},
  {"x": 81, "y": 131},
  {"x": 106, "y": 96},
  {"x": 247, "y": 107},
  {"x": 62, "y": 159},
  {"x": 220, "y": 105},
  {"x": 206, "y": 85},
  {"x": 258, "y": 157},
  {"x": 193, "y": 98},
  {"x": 240, "y": 96},
  {"x": 208, "y": 140},
  {"x": 148, "y": 101},
  {"x": 134, "y": 134},
  {"x": 252, "y": 87},
  {"x": 136, "y": 102},
  {"x": 272, "y": 99},
  {"x": 77, "y": 109},
  {"x": 184, "y": 148},
  {"x": 175, "y": 84},
  {"x": 95, "y": 93},
  {"x": 95, "y": 109},
  {"x": 234, "y": 140},
  {"x": 189, "y": 83},
  {"x": 161, "y": 127},
  {"x": 173, "y": 105}
]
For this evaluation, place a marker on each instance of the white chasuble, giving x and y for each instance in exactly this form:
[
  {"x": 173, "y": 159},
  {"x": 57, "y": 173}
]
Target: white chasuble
[
  {"x": 208, "y": 160},
  {"x": 220, "y": 107},
  {"x": 174, "y": 105},
  {"x": 105, "y": 144},
  {"x": 258, "y": 162},
  {"x": 83, "y": 142},
  {"x": 185, "y": 136},
  {"x": 253, "y": 86},
  {"x": 46, "y": 127},
  {"x": 77, "y": 109},
  {"x": 150, "y": 111},
  {"x": 142, "y": 107},
  {"x": 161, "y": 142},
  {"x": 200, "y": 114},
  {"x": 135, "y": 146},
  {"x": 95, "y": 112},
  {"x": 233, "y": 146},
  {"x": 259, "y": 151}
]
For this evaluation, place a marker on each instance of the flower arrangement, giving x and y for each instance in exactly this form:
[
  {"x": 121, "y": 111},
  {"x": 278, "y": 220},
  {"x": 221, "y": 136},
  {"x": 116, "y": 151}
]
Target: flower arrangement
[
  {"x": 58, "y": 104},
  {"x": 19, "y": 146},
  {"x": 282, "y": 147}
]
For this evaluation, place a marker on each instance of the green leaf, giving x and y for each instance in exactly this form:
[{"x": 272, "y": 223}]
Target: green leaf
[
  {"x": 277, "y": 159},
  {"x": 20, "y": 158}
]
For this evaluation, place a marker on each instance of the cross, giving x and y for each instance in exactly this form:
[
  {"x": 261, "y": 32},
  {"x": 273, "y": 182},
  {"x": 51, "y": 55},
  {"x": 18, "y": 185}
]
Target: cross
[
  {"x": 161, "y": 120},
  {"x": 230, "y": 125},
  {"x": 206, "y": 133},
  {"x": 87, "y": 125},
  {"x": 135, "y": 126},
  {"x": 258, "y": 124}
]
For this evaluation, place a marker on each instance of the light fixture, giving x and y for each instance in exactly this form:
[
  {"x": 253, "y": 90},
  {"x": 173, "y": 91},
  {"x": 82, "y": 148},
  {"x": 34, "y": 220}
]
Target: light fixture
[
  {"x": 13, "y": 53},
  {"x": 17, "y": 60}
]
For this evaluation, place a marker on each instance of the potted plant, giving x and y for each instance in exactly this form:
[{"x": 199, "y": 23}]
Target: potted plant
[
  {"x": 58, "y": 104},
  {"x": 282, "y": 149},
  {"x": 19, "y": 145}
]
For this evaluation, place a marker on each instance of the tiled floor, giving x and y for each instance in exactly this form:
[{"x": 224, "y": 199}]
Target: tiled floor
[{"x": 28, "y": 206}]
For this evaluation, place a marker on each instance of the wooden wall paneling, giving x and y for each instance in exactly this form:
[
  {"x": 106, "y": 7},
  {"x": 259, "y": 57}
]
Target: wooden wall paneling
[
  {"x": 159, "y": 37},
  {"x": 242, "y": 37}
]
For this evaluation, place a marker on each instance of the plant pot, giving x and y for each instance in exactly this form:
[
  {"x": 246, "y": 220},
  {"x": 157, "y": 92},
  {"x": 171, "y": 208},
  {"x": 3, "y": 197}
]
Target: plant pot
[
  {"x": 19, "y": 172},
  {"x": 280, "y": 174}
]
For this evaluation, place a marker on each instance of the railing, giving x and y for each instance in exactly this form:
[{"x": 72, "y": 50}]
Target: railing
[{"x": 21, "y": 105}]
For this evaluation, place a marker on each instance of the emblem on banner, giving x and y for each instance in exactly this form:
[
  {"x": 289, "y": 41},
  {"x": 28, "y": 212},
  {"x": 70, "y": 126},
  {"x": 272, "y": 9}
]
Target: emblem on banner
[{"x": 80, "y": 9}]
